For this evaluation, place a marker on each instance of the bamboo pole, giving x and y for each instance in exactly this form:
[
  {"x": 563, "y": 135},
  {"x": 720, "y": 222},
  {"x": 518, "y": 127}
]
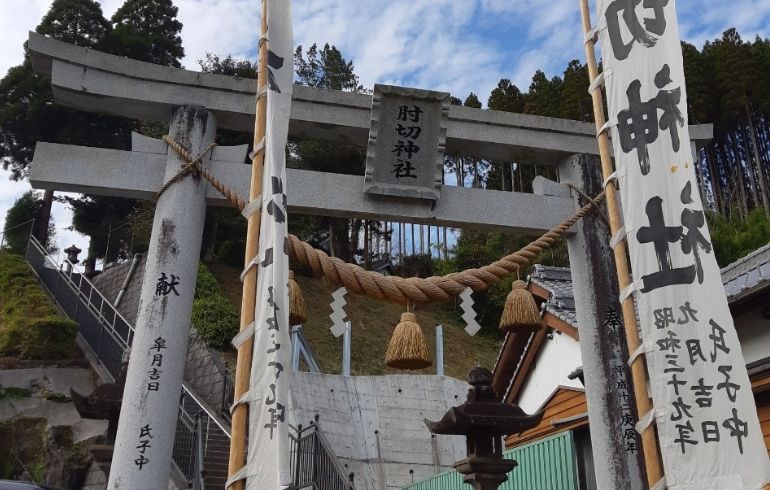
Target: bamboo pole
[
  {"x": 638, "y": 371},
  {"x": 240, "y": 416}
]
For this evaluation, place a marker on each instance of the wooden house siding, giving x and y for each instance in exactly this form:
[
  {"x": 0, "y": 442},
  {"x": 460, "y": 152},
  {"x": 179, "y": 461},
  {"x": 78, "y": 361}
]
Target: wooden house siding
[
  {"x": 761, "y": 388},
  {"x": 564, "y": 404}
]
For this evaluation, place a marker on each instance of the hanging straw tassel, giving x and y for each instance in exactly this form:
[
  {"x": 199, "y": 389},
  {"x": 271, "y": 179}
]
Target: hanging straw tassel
[
  {"x": 520, "y": 311},
  {"x": 297, "y": 307},
  {"x": 407, "y": 348}
]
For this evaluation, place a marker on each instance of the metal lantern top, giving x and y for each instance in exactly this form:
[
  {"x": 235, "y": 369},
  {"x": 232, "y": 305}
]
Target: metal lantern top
[
  {"x": 72, "y": 253},
  {"x": 483, "y": 412}
]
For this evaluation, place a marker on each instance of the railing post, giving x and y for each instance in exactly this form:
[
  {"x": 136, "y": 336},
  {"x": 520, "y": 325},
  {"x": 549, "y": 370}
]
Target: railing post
[
  {"x": 99, "y": 345},
  {"x": 208, "y": 431},
  {"x": 26, "y": 251},
  {"x": 56, "y": 288},
  {"x": 315, "y": 455},
  {"x": 346, "y": 350},
  {"x": 297, "y": 454},
  {"x": 198, "y": 441},
  {"x": 77, "y": 308},
  {"x": 295, "y": 348},
  {"x": 439, "y": 350}
]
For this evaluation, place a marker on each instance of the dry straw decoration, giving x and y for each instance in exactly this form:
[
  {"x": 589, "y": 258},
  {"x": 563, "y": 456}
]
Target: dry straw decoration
[
  {"x": 297, "y": 307},
  {"x": 521, "y": 312},
  {"x": 407, "y": 348}
]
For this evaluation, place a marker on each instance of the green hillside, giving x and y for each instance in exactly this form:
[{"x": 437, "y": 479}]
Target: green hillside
[
  {"x": 30, "y": 326},
  {"x": 373, "y": 324}
]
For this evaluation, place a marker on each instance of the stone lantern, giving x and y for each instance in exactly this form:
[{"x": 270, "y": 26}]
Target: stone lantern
[
  {"x": 484, "y": 420},
  {"x": 72, "y": 256},
  {"x": 104, "y": 404}
]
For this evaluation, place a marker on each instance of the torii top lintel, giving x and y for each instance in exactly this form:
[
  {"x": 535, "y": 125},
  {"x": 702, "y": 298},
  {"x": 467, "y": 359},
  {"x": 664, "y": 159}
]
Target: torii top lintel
[{"x": 96, "y": 81}]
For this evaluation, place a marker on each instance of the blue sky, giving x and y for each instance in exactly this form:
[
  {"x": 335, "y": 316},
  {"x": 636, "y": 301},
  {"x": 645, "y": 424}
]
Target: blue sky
[{"x": 453, "y": 45}]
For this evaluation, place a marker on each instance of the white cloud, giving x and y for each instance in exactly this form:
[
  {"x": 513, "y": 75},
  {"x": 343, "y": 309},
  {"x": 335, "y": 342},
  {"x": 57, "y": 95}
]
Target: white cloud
[
  {"x": 17, "y": 17},
  {"x": 707, "y": 19}
]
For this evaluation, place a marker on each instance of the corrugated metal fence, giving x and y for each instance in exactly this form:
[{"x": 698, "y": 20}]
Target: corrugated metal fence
[{"x": 547, "y": 464}]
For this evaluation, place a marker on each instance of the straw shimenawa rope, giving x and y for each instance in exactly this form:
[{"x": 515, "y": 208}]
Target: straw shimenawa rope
[
  {"x": 432, "y": 289},
  {"x": 398, "y": 289}
]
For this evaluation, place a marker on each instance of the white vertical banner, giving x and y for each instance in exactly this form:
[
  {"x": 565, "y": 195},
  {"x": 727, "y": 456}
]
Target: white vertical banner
[
  {"x": 268, "y": 455},
  {"x": 704, "y": 409}
]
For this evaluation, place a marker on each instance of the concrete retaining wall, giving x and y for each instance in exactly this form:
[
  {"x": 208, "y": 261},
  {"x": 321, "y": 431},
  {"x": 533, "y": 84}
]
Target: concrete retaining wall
[{"x": 375, "y": 423}]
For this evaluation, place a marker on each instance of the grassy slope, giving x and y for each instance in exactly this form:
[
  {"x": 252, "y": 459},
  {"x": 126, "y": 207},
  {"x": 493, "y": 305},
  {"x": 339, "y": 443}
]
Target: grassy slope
[
  {"x": 30, "y": 326},
  {"x": 373, "y": 324}
]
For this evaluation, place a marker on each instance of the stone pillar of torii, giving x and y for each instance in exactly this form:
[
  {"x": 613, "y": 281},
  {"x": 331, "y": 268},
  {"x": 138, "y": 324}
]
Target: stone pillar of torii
[
  {"x": 196, "y": 104},
  {"x": 147, "y": 424}
]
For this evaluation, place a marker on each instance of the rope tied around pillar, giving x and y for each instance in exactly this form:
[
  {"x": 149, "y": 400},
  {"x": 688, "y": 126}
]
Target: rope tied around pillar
[
  {"x": 195, "y": 165},
  {"x": 585, "y": 199}
]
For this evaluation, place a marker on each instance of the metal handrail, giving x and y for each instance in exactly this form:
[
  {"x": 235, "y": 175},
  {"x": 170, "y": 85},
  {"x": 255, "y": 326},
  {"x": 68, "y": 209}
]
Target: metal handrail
[
  {"x": 77, "y": 287},
  {"x": 328, "y": 449},
  {"x": 113, "y": 332},
  {"x": 203, "y": 407},
  {"x": 6, "y": 230},
  {"x": 199, "y": 482},
  {"x": 66, "y": 261},
  {"x": 313, "y": 463}
]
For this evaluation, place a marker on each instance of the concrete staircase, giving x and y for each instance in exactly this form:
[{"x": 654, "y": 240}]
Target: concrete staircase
[{"x": 215, "y": 460}]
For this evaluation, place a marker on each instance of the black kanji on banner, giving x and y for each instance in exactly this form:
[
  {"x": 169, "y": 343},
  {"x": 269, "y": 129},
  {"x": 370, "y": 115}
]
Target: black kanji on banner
[
  {"x": 639, "y": 124},
  {"x": 646, "y": 35}
]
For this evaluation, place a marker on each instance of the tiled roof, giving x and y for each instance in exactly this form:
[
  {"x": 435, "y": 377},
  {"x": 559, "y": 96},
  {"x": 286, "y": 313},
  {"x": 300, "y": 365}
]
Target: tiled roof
[
  {"x": 740, "y": 278},
  {"x": 748, "y": 274},
  {"x": 558, "y": 282},
  {"x": 111, "y": 280}
]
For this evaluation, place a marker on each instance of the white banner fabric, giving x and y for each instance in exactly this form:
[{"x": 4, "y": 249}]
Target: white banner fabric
[
  {"x": 268, "y": 455},
  {"x": 706, "y": 417}
]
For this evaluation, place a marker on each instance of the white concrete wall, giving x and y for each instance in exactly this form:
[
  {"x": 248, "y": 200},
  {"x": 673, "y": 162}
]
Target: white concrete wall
[
  {"x": 375, "y": 423},
  {"x": 558, "y": 357},
  {"x": 754, "y": 334}
]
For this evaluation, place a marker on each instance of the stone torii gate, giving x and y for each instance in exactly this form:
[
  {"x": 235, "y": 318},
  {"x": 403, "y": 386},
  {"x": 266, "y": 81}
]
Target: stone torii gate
[{"x": 198, "y": 103}]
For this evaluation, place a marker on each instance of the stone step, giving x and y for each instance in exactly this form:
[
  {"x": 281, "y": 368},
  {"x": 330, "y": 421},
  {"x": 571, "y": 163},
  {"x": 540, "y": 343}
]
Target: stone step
[
  {"x": 214, "y": 441},
  {"x": 217, "y": 450},
  {"x": 215, "y": 465},
  {"x": 217, "y": 471},
  {"x": 214, "y": 483},
  {"x": 208, "y": 462},
  {"x": 218, "y": 437}
]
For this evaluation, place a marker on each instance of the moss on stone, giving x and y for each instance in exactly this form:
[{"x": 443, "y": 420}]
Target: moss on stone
[
  {"x": 23, "y": 451},
  {"x": 14, "y": 393}
]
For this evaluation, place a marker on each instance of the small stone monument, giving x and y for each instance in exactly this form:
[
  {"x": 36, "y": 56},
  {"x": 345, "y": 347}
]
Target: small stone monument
[{"x": 407, "y": 139}]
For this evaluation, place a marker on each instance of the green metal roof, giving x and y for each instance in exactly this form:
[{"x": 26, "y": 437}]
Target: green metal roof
[{"x": 547, "y": 464}]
